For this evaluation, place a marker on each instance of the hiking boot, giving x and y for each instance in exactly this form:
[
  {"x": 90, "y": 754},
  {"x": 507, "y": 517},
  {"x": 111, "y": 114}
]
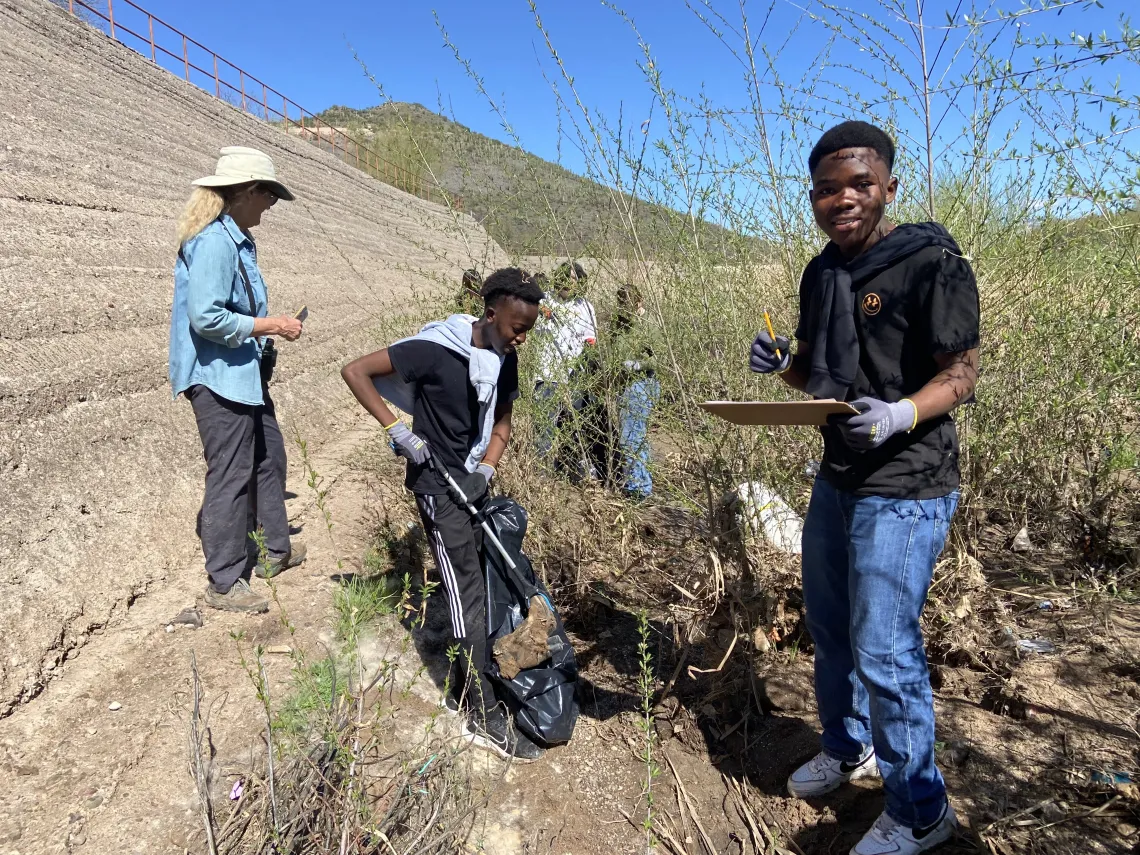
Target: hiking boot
[
  {"x": 239, "y": 598},
  {"x": 824, "y": 773},
  {"x": 275, "y": 564},
  {"x": 496, "y": 734},
  {"x": 888, "y": 837}
]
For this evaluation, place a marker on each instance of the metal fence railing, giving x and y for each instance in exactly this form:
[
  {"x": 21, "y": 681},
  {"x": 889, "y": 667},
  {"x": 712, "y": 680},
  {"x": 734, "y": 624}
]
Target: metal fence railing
[{"x": 171, "y": 49}]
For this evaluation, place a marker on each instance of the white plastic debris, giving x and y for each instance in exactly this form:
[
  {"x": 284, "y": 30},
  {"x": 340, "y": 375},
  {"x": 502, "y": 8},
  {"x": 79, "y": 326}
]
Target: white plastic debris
[
  {"x": 1021, "y": 541},
  {"x": 1027, "y": 645},
  {"x": 114, "y": 706},
  {"x": 1036, "y": 645},
  {"x": 767, "y": 514}
]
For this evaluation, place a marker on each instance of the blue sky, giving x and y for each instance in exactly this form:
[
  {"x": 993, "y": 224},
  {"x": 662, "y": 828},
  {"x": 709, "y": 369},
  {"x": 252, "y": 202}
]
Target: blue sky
[{"x": 302, "y": 48}]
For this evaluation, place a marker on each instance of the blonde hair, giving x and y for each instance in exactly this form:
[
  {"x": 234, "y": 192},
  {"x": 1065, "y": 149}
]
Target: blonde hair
[{"x": 204, "y": 206}]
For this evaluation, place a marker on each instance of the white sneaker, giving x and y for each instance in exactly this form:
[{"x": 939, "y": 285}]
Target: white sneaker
[
  {"x": 888, "y": 837},
  {"x": 823, "y": 773}
]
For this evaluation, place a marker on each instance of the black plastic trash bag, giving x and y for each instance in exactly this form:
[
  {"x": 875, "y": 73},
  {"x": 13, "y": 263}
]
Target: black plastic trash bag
[{"x": 543, "y": 698}]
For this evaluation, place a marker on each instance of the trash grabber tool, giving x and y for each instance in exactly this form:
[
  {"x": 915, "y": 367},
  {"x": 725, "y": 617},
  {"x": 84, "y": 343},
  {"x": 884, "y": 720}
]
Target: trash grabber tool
[{"x": 471, "y": 509}]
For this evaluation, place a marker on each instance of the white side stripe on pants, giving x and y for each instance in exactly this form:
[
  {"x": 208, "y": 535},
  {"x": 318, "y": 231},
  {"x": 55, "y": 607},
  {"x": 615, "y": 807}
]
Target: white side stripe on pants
[{"x": 446, "y": 571}]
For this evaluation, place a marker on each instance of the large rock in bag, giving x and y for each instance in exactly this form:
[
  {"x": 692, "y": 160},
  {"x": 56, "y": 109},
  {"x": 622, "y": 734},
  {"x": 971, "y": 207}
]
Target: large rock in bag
[{"x": 528, "y": 645}]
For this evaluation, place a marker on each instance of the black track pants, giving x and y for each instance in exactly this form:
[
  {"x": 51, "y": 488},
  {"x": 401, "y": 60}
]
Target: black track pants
[{"x": 456, "y": 542}]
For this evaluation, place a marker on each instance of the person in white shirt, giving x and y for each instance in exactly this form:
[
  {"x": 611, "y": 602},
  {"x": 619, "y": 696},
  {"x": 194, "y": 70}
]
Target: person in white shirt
[{"x": 567, "y": 326}]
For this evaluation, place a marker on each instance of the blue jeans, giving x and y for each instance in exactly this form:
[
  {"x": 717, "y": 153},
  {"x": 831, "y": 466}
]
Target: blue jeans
[
  {"x": 636, "y": 404},
  {"x": 867, "y": 564}
]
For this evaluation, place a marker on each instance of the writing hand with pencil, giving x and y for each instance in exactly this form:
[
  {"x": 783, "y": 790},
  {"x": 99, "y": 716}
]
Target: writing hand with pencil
[{"x": 771, "y": 354}]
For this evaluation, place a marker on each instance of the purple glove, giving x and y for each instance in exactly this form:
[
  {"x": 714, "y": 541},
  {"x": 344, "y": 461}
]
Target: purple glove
[
  {"x": 764, "y": 359},
  {"x": 407, "y": 444},
  {"x": 876, "y": 422}
]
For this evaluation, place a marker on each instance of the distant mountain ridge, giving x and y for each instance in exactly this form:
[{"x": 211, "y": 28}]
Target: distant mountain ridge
[{"x": 511, "y": 192}]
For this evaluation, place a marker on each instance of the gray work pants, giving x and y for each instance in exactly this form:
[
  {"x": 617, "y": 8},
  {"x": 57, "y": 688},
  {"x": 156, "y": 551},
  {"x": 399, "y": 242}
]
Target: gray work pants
[{"x": 245, "y": 481}]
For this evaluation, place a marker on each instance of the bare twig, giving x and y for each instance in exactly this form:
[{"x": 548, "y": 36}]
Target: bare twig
[
  {"x": 269, "y": 743},
  {"x": 197, "y": 765},
  {"x": 693, "y": 670},
  {"x": 689, "y": 804},
  {"x": 676, "y": 673},
  {"x": 762, "y": 837}
]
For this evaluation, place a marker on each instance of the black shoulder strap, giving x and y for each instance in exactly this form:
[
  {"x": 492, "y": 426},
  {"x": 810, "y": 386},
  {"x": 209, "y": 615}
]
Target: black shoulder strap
[{"x": 248, "y": 287}]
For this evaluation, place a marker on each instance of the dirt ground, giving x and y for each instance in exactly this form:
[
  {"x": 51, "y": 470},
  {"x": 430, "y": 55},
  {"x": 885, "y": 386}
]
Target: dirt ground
[{"x": 1017, "y": 751}]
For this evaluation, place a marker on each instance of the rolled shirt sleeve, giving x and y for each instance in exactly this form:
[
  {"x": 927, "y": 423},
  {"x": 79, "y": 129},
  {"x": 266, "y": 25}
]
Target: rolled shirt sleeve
[{"x": 211, "y": 276}]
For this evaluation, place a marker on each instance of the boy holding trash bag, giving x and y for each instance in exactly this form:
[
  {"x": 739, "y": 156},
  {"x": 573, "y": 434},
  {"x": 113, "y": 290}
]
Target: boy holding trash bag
[
  {"x": 459, "y": 379},
  {"x": 888, "y": 322}
]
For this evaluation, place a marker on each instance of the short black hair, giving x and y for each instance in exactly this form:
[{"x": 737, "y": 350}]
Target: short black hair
[
  {"x": 510, "y": 282},
  {"x": 628, "y": 295},
  {"x": 853, "y": 135},
  {"x": 628, "y": 298},
  {"x": 568, "y": 270},
  {"x": 472, "y": 279}
]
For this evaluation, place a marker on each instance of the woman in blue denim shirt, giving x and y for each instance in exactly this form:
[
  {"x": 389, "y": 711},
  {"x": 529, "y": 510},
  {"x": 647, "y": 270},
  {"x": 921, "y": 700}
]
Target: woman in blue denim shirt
[{"x": 218, "y": 335}]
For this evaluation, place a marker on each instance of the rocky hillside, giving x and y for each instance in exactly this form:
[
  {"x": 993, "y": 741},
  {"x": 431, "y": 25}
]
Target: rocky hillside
[{"x": 529, "y": 205}]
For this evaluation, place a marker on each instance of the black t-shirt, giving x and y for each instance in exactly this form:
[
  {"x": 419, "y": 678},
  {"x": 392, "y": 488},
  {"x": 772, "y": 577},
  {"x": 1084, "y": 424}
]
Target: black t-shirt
[
  {"x": 446, "y": 413},
  {"x": 923, "y": 306}
]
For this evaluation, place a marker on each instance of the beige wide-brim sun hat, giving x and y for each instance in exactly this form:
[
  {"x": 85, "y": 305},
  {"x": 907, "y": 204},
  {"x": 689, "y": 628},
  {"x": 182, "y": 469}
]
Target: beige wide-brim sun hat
[{"x": 239, "y": 164}]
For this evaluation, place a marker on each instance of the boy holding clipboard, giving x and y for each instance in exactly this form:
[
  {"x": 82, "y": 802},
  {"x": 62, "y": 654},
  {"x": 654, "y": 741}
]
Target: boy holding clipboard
[{"x": 888, "y": 322}]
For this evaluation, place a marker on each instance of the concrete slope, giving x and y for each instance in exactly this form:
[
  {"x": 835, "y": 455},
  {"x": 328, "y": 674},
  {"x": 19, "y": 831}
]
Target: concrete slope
[{"x": 101, "y": 471}]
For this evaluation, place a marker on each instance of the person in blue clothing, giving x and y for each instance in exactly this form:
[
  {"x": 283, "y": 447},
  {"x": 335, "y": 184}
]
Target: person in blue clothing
[
  {"x": 640, "y": 391},
  {"x": 220, "y": 360},
  {"x": 889, "y": 322}
]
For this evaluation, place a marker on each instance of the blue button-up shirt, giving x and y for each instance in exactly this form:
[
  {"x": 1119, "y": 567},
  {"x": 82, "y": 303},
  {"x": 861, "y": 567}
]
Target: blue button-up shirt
[{"x": 211, "y": 325}]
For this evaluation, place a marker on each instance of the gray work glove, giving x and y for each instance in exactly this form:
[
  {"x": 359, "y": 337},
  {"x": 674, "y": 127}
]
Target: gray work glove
[
  {"x": 407, "y": 444},
  {"x": 764, "y": 359},
  {"x": 876, "y": 422},
  {"x": 487, "y": 471}
]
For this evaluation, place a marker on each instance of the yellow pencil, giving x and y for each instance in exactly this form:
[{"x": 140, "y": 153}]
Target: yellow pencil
[{"x": 772, "y": 334}]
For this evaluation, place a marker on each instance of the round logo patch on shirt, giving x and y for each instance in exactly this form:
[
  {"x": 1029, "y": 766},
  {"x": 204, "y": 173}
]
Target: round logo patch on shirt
[{"x": 872, "y": 304}]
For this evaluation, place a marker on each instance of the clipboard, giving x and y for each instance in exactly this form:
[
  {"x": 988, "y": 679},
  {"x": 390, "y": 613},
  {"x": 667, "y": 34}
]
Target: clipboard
[{"x": 779, "y": 412}]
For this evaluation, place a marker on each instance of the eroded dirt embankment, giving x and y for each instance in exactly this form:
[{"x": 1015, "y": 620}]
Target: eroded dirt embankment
[{"x": 101, "y": 472}]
